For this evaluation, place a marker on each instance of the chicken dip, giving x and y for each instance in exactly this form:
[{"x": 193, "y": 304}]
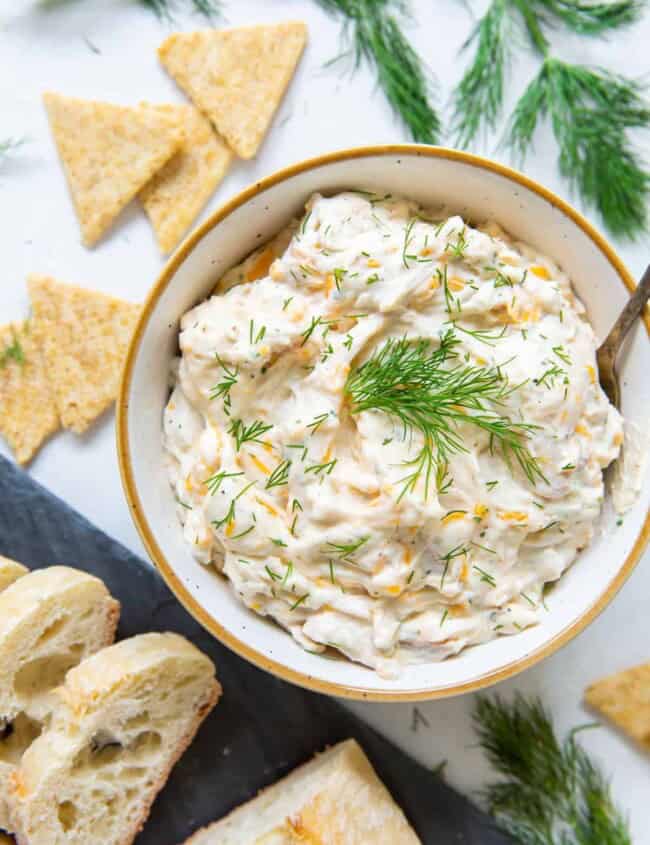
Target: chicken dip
[{"x": 387, "y": 431}]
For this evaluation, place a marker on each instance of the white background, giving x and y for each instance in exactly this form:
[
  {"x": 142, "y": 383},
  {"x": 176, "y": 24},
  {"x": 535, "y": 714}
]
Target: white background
[{"x": 323, "y": 111}]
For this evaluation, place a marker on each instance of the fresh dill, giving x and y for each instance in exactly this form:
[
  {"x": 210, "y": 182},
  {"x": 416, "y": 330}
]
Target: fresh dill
[
  {"x": 255, "y": 336},
  {"x": 408, "y": 237},
  {"x": 339, "y": 275},
  {"x": 457, "y": 249},
  {"x": 224, "y": 387},
  {"x": 298, "y": 446},
  {"x": 373, "y": 31},
  {"x": 460, "y": 550},
  {"x": 317, "y": 422},
  {"x": 549, "y": 791},
  {"x": 485, "y": 576},
  {"x": 214, "y": 482},
  {"x": 562, "y": 354},
  {"x": 484, "y": 335},
  {"x": 428, "y": 391},
  {"x": 591, "y": 111},
  {"x": 547, "y": 379},
  {"x": 247, "y": 434},
  {"x": 230, "y": 513},
  {"x": 279, "y": 476},
  {"x": 299, "y": 601},
  {"x": 325, "y": 468},
  {"x": 278, "y": 542},
  {"x": 345, "y": 551}
]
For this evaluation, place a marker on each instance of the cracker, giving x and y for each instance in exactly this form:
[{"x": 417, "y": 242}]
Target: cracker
[
  {"x": 28, "y": 414},
  {"x": 178, "y": 192},
  {"x": 237, "y": 77},
  {"x": 624, "y": 699},
  {"x": 109, "y": 153},
  {"x": 84, "y": 336}
]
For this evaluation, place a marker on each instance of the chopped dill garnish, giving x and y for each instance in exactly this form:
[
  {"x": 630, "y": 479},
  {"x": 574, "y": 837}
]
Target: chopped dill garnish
[
  {"x": 485, "y": 576},
  {"x": 547, "y": 379},
  {"x": 458, "y": 551},
  {"x": 277, "y": 542},
  {"x": 299, "y": 601},
  {"x": 252, "y": 335},
  {"x": 325, "y": 468},
  {"x": 331, "y": 568},
  {"x": 295, "y": 505},
  {"x": 279, "y": 476},
  {"x": 339, "y": 273},
  {"x": 485, "y": 548},
  {"x": 298, "y": 446},
  {"x": 408, "y": 237},
  {"x": 163, "y": 8},
  {"x": 344, "y": 551},
  {"x": 317, "y": 422},
  {"x": 444, "y": 616},
  {"x": 243, "y": 533},
  {"x": 247, "y": 434},
  {"x": 215, "y": 481},
  {"x": 273, "y": 575},
  {"x": 528, "y": 599},
  {"x": 348, "y": 341},
  {"x": 428, "y": 391},
  {"x": 304, "y": 222},
  {"x": 569, "y": 466},
  {"x": 311, "y": 328},
  {"x": 286, "y": 302},
  {"x": 224, "y": 387},
  {"x": 484, "y": 335},
  {"x": 491, "y": 484},
  {"x": 230, "y": 513},
  {"x": 371, "y": 280},
  {"x": 457, "y": 249},
  {"x": 562, "y": 354}
]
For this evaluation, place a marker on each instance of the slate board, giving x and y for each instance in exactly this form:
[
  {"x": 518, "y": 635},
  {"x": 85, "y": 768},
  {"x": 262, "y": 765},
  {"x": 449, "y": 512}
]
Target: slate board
[{"x": 261, "y": 728}]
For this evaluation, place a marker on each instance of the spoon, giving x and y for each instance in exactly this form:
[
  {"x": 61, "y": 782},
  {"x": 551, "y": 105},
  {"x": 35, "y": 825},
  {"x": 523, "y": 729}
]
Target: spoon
[{"x": 609, "y": 348}]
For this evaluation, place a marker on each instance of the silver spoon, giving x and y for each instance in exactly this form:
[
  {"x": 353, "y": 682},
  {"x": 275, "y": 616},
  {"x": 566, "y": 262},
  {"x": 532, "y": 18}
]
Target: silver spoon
[{"x": 609, "y": 348}]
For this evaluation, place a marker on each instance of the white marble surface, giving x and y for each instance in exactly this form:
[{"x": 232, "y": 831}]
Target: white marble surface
[{"x": 323, "y": 111}]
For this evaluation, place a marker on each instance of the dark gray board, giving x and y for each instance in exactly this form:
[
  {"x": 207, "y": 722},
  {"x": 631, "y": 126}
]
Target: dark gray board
[{"x": 261, "y": 728}]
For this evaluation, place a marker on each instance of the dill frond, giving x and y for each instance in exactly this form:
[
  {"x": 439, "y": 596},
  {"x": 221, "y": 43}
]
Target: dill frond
[
  {"x": 414, "y": 383},
  {"x": 550, "y": 792},
  {"x": 8, "y": 145},
  {"x": 593, "y": 18},
  {"x": 374, "y": 33},
  {"x": 479, "y": 96},
  {"x": 591, "y": 111}
]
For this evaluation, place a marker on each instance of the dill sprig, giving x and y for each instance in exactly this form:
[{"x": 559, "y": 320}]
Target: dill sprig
[
  {"x": 415, "y": 383},
  {"x": 479, "y": 95},
  {"x": 591, "y": 111},
  {"x": 247, "y": 434},
  {"x": 373, "y": 28},
  {"x": 550, "y": 792},
  {"x": 210, "y": 9}
]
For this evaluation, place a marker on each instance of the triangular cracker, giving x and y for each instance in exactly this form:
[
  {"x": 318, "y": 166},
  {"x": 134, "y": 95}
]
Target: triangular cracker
[
  {"x": 178, "y": 192},
  {"x": 84, "y": 336},
  {"x": 109, "y": 153},
  {"x": 237, "y": 77},
  {"x": 28, "y": 414},
  {"x": 624, "y": 699}
]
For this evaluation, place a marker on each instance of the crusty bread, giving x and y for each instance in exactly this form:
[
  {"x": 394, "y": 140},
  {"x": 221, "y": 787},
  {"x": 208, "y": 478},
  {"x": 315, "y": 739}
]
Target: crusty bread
[
  {"x": 10, "y": 571},
  {"x": 50, "y": 620},
  {"x": 122, "y": 719},
  {"x": 335, "y": 799}
]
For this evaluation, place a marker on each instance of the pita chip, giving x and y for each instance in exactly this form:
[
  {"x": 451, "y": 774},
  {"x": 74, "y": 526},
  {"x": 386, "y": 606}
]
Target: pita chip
[
  {"x": 84, "y": 336},
  {"x": 237, "y": 77},
  {"x": 108, "y": 153},
  {"x": 28, "y": 414},
  {"x": 178, "y": 192},
  {"x": 624, "y": 699}
]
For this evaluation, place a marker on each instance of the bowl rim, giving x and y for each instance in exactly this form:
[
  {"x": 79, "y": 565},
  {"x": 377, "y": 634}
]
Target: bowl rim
[{"x": 134, "y": 502}]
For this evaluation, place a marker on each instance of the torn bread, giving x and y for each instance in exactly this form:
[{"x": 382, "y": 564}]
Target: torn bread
[
  {"x": 50, "y": 620},
  {"x": 122, "y": 719},
  {"x": 175, "y": 196},
  {"x": 109, "y": 153},
  {"x": 335, "y": 799},
  {"x": 28, "y": 414},
  {"x": 237, "y": 77},
  {"x": 10, "y": 571},
  {"x": 84, "y": 336},
  {"x": 624, "y": 699}
]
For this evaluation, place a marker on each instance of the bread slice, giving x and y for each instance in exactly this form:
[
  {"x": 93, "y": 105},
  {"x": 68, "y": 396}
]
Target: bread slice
[
  {"x": 122, "y": 719},
  {"x": 10, "y": 571},
  {"x": 50, "y": 620},
  {"x": 334, "y": 799}
]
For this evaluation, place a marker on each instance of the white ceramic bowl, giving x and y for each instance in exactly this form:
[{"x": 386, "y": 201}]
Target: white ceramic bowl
[{"x": 477, "y": 189}]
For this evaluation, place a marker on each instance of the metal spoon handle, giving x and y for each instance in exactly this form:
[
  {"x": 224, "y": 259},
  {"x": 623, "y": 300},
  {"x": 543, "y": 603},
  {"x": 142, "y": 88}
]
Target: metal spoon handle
[{"x": 628, "y": 315}]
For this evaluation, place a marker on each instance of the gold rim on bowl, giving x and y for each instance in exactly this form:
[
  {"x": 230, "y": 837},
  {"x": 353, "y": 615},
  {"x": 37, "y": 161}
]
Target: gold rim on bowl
[{"x": 135, "y": 504}]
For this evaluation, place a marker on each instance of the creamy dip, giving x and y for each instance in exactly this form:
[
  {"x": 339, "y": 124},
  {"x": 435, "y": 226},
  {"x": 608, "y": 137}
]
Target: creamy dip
[{"x": 315, "y": 510}]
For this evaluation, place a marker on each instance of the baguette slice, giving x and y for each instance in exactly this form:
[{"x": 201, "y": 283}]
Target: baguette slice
[
  {"x": 334, "y": 799},
  {"x": 10, "y": 571},
  {"x": 122, "y": 720},
  {"x": 50, "y": 620}
]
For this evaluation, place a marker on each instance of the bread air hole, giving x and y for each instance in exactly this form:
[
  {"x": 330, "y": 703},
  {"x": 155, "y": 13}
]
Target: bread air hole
[
  {"x": 51, "y": 631},
  {"x": 44, "y": 673},
  {"x": 105, "y": 750},
  {"x": 67, "y": 813},
  {"x": 17, "y": 736}
]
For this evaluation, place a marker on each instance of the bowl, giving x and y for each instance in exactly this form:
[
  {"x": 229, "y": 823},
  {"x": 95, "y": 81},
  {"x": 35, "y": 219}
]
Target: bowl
[{"x": 477, "y": 189}]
